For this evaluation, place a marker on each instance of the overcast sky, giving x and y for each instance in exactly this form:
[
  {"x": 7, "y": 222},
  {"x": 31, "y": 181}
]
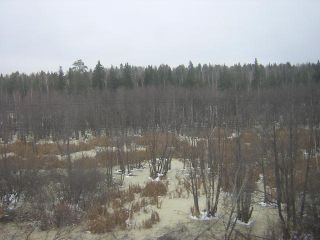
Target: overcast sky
[{"x": 42, "y": 35}]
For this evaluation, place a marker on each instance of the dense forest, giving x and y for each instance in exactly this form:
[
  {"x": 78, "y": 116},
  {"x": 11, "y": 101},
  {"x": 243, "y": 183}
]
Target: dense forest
[
  {"x": 229, "y": 125},
  {"x": 79, "y": 79}
]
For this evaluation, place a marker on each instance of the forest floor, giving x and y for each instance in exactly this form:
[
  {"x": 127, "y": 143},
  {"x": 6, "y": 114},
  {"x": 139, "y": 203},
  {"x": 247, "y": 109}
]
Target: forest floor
[{"x": 175, "y": 222}]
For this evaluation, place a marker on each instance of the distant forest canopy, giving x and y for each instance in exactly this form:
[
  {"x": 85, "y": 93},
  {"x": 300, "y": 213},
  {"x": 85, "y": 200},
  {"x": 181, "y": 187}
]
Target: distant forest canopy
[{"x": 79, "y": 79}]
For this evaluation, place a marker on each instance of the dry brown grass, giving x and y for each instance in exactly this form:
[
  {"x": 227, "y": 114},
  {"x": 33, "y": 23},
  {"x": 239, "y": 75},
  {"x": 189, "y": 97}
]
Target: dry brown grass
[
  {"x": 86, "y": 163},
  {"x": 101, "y": 221},
  {"x": 21, "y": 148},
  {"x": 116, "y": 203},
  {"x": 52, "y": 162},
  {"x": 120, "y": 216},
  {"x": 100, "y": 224},
  {"x": 1, "y": 212},
  {"x": 119, "y": 198},
  {"x": 135, "y": 188},
  {"x": 99, "y": 141},
  {"x": 46, "y": 149},
  {"x": 127, "y": 196},
  {"x": 154, "y": 218}
]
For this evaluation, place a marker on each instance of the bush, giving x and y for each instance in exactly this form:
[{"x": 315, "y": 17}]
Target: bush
[
  {"x": 147, "y": 224},
  {"x": 101, "y": 224},
  {"x": 119, "y": 217},
  {"x": 63, "y": 215},
  {"x": 127, "y": 196},
  {"x": 154, "y": 218},
  {"x": 154, "y": 189},
  {"x": 135, "y": 188},
  {"x": 135, "y": 207}
]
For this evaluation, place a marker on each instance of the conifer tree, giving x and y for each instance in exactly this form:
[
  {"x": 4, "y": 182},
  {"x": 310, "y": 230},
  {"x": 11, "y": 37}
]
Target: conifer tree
[
  {"x": 98, "y": 77},
  {"x": 61, "y": 80}
]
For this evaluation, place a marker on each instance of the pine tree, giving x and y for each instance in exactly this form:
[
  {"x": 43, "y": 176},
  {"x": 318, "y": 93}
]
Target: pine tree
[
  {"x": 256, "y": 75},
  {"x": 113, "y": 81},
  {"x": 78, "y": 66},
  {"x": 127, "y": 77},
  {"x": 317, "y": 72},
  {"x": 190, "y": 81},
  {"x": 61, "y": 80},
  {"x": 98, "y": 77}
]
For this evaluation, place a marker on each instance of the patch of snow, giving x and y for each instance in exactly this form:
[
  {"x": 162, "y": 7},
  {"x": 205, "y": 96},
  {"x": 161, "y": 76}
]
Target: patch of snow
[
  {"x": 129, "y": 174},
  {"x": 157, "y": 179},
  {"x": 248, "y": 224},
  {"x": 101, "y": 149},
  {"x": 11, "y": 200},
  {"x": 78, "y": 155},
  {"x": 43, "y": 141},
  {"x": 111, "y": 149},
  {"x": 204, "y": 217},
  {"x": 233, "y": 135},
  {"x": 141, "y": 148},
  {"x": 9, "y": 154},
  {"x": 269, "y": 205},
  {"x": 260, "y": 178}
]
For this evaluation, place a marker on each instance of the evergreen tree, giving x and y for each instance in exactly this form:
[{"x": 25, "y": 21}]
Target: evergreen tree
[
  {"x": 225, "y": 80},
  {"x": 190, "y": 81},
  {"x": 79, "y": 77},
  {"x": 98, "y": 77},
  {"x": 149, "y": 76},
  {"x": 113, "y": 81},
  {"x": 317, "y": 72},
  {"x": 79, "y": 66},
  {"x": 256, "y": 75},
  {"x": 126, "y": 76},
  {"x": 164, "y": 75},
  {"x": 61, "y": 80}
]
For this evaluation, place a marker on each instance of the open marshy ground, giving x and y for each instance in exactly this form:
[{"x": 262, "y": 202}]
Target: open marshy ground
[{"x": 155, "y": 185}]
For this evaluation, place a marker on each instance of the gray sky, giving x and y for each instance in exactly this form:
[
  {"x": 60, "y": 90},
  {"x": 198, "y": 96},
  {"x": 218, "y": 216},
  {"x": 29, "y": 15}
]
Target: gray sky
[{"x": 42, "y": 35}]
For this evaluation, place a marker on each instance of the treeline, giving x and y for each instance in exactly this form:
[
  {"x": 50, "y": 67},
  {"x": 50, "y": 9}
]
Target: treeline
[{"x": 80, "y": 79}]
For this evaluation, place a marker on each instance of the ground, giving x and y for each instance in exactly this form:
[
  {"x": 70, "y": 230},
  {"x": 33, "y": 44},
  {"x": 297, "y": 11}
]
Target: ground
[{"x": 175, "y": 217}]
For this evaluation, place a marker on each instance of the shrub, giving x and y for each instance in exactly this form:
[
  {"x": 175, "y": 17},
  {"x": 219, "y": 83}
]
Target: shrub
[
  {"x": 117, "y": 203},
  {"x": 64, "y": 215},
  {"x": 135, "y": 188},
  {"x": 119, "y": 217},
  {"x": 135, "y": 207},
  {"x": 143, "y": 202},
  {"x": 101, "y": 224},
  {"x": 61, "y": 215},
  {"x": 154, "y": 218},
  {"x": 154, "y": 189},
  {"x": 147, "y": 224},
  {"x": 179, "y": 191},
  {"x": 127, "y": 196}
]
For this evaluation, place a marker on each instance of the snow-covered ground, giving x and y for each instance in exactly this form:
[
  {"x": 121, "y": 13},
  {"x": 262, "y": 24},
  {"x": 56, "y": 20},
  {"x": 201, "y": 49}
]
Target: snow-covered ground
[{"x": 9, "y": 154}]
